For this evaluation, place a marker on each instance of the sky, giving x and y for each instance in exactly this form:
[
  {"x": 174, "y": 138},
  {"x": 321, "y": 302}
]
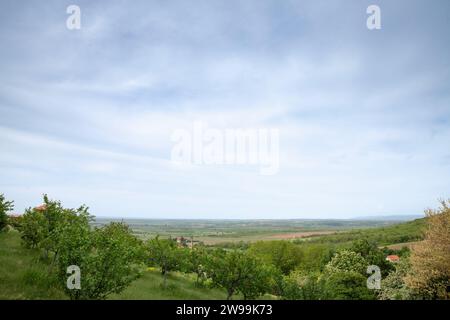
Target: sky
[{"x": 86, "y": 115}]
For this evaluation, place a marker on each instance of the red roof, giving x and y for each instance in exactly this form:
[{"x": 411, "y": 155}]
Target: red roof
[
  {"x": 15, "y": 215},
  {"x": 393, "y": 258},
  {"x": 42, "y": 207}
]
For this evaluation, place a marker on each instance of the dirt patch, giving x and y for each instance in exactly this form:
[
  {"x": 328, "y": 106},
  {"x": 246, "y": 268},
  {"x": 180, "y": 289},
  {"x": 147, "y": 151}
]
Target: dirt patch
[
  {"x": 399, "y": 246},
  {"x": 296, "y": 235}
]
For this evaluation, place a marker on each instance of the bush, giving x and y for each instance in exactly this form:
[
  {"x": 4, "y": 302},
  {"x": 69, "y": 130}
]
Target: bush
[
  {"x": 347, "y": 261},
  {"x": 5, "y": 207}
]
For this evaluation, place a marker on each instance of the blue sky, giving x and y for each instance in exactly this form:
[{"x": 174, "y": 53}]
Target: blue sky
[{"x": 364, "y": 116}]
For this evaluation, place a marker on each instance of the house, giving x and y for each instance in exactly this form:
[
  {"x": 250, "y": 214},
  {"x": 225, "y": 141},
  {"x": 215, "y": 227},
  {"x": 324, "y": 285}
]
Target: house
[
  {"x": 393, "y": 258},
  {"x": 42, "y": 207},
  {"x": 15, "y": 215},
  {"x": 183, "y": 242}
]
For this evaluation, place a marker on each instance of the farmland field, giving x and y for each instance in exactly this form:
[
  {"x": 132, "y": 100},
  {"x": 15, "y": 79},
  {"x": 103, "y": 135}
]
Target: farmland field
[{"x": 213, "y": 232}]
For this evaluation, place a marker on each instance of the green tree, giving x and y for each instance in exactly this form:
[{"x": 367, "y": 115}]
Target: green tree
[
  {"x": 347, "y": 261},
  {"x": 5, "y": 207},
  {"x": 166, "y": 254},
  {"x": 41, "y": 227},
  {"x": 197, "y": 258},
  {"x": 239, "y": 272},
  {"x": 345, "y": 277},
  {"x": 33, "y": 228},
  {"x": 346, "y": 285},
  {"x": 315, "y": 256},
  {"x": 284, "y": 255},
  {"x": 109, "y": 258},
  {"x": 430, "y": 259},
  {"x": 300, "y": 285},
  {"x": 393, "y": 287},
  {"x": 372, "y": 254}
]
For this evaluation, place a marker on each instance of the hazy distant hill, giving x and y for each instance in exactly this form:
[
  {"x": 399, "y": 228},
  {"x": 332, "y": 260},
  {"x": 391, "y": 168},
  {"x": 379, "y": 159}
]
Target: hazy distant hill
[{"x": 390, "y": 218}]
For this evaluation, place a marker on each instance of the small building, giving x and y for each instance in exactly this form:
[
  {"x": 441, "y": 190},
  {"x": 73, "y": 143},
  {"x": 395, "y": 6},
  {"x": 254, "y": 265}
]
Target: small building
[
  {"x": 42, "y": 207},
  {"x": 183, "y": 242},
  {"x": 393, "y": 258}
]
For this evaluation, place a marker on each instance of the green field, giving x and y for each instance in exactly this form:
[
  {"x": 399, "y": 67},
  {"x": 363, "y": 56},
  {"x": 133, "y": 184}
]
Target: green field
[{"x": 214, "y": 232}]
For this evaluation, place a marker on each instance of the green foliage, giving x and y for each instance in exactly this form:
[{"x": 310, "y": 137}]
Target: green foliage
[
  {"x": 315, "y": 256},
  {"x": 196, "y": 262},
  {"x": 345, "y": 275},
  {"x": 15, "y": 222},
  {"x": 239, "y": 272},
  {"x": 347, "y": 261},
  {"x": 373, "y": 255},
  {"x": 398, "y": 233},
  {"x": 34, "y": 228},
  {"x": 393, "y": 287},
  {"x": 5, "y": 207},
  {"x": 302, "y": 286},
  {"x": 44, "y": 227},
  {"x": 180, "y": 286},
  {"x": 346, "y": 285},
  {"x": 166, "y": 254},
  {"x": 430, "y": 259},
  {"x": 23, "y": 275},
  {"x": 109, "y": 258},
  {"x": 284, "y": 255}
]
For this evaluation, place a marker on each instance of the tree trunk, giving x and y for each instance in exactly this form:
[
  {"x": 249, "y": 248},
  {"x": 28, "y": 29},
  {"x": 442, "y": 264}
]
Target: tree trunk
[{"x": 165, "y": 279}]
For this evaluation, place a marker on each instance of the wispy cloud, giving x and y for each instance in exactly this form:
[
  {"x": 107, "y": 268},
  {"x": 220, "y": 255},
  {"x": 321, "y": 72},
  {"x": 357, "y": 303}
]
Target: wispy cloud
[{"x": 87, "y": 115}]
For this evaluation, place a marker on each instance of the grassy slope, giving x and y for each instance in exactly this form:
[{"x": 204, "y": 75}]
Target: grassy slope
[
  {"x": 24, "y": 276},
  {"x": 399, "y": 233},
  {"x": 180, "y": 287}
]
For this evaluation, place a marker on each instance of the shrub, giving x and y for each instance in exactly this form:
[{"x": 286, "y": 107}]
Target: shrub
[
  {"x": 347, "y": 261},
  {"x": 5, "y": 207}
]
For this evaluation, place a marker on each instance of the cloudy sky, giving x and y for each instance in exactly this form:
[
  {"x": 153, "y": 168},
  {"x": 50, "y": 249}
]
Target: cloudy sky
[{"x": 364, "y": 116}]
